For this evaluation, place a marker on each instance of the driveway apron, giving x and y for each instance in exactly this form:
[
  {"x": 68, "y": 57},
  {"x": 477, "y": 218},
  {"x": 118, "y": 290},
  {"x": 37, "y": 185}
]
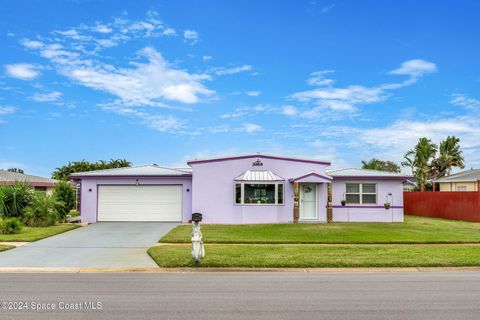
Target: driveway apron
[{"x": 100, "y": 245}]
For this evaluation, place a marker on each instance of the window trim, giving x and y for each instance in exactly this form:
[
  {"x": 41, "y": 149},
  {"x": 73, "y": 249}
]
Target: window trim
[
  {"x": 242, "y": 193},
  {"x": 360, "y": 193}
]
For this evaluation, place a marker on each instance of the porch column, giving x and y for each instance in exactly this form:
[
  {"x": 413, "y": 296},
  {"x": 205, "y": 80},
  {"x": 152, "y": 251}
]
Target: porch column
[
  {"x": 329, "y": 202},
  {"x": 296, "y": 212}
]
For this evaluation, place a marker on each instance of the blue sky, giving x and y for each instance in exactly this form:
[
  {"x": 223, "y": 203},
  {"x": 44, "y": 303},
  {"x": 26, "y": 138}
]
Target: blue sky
[{"x": 166, "y": 81}]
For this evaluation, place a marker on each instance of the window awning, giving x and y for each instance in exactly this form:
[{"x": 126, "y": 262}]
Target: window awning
[
  {"x": 253, "y": 175},
  {"x": 312, "y": 177}
]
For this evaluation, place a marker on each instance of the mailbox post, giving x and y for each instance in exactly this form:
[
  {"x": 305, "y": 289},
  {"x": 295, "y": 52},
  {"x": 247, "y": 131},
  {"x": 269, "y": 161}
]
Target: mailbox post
[{"x": 198, "y": 250}]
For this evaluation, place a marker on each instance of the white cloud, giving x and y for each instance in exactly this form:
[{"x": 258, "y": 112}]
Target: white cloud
[
  {"x": 191, "y": 36},
  {"x": 47, "y": 97},
  {"x": 158, "y": 122},
  {"x": 345, "y": 100},
  {"x": 226, "y": 71},
  {"x": 318, "y": 78},
  {"x": 146, "y": 84},
  {"x": 22, "y": 71},
  {"x": 101, "y": 28},
  {"x": 31, "y": 44},
  {"x": 289, "y": 111},
  {"x": 328, "y": 8},
  {"x": 415, "y": 68},
  {"x": 248, "y": 111},
  {"x": 6, "y": 110},
  {"x": 206, "y": 58},
  {"x": 463, "y": 100},
  {"x": 169, "y": 32},
  {"x": 251, "y": 127},
  {"x": 253, "y": 93}
]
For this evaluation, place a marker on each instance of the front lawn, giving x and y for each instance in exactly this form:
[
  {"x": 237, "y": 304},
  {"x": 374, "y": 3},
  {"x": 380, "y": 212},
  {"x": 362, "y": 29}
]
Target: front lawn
[
  {"x": 29, "y": 234},
  {"x": 3, "y": 248},
  {"x": 413, "y": 230},
  {"x": 311, "y": 256}
]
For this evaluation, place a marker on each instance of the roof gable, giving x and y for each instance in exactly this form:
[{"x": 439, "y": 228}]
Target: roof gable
[{"x": 257, "y": 155}]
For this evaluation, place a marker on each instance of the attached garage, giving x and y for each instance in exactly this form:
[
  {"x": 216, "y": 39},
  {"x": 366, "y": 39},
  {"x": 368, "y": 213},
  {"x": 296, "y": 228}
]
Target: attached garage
[{"x": 140, "y": 203}]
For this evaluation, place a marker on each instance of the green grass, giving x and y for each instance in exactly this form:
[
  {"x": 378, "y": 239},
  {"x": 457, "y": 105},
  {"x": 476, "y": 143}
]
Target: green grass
[
  {"x": 74, "y": 213},
  {"x": 33, "y": 234},
  {"x": 3, "y": 248},
  {"x": 310, "y": 256},
  {"x": 413, "y": 230}
]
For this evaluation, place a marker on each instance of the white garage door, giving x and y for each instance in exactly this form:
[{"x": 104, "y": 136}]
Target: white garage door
[{"x": 140, "y": 203}]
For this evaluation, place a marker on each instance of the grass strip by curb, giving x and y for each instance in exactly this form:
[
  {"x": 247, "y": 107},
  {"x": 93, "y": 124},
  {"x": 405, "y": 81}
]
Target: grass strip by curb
[
  {"x": 29, "y": 234},
  {"x": 311, "y": 256},
  {"x": 4, "y": 248}
]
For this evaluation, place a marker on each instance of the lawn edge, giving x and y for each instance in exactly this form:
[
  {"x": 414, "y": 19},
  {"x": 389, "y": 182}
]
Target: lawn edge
[{"x": 75, "y": 226}]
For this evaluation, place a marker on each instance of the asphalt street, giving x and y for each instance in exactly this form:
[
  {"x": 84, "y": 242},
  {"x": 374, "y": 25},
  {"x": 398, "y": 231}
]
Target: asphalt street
[{"x": 255, "y": 295}]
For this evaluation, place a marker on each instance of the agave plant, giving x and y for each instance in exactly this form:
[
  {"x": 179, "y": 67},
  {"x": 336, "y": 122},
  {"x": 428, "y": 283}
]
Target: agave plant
[
  {"x": 42, "y": 212},
  {"x": 14, "y": 199}
]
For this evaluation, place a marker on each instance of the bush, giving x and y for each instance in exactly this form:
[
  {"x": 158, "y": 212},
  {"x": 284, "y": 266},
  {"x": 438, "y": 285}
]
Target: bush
[
  {"x": 42, "y": 212},
  {"x": 14, "y": 199},
  {"x": 65, "y": 196},
  {"x": 10, "y": 226}
]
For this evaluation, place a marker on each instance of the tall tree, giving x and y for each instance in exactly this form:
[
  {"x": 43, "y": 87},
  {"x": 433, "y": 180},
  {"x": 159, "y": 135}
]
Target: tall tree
[
  {"x": 63, "y": 173},
  {"x": 409, "y": 161},
  {"x": 449, "y": 155},
  {"x": 382, "y": 165},
  {"x": 422, "y": 156}
]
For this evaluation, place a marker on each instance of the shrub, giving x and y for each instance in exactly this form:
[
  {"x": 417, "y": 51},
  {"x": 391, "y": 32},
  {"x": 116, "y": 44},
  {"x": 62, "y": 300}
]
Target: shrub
[
  {"x": 42, "y": 212},
  {"x": 65, "y": 197},
  {"x": 10, "y": 226},
  {"x": 14, "y": 199}
]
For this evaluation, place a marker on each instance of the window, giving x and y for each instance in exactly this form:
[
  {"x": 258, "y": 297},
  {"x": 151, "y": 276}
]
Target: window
[
  {"x": 259, "y": 193},
  {"x": 361, "y": 193},
  {"x": 40, "y": 189},
  {"x": 462, "y": 188}
]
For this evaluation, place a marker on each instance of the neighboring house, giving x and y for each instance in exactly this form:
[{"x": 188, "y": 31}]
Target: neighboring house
[
  {"x": 40, "y": 184},
  {"x": 409, "y": 185},
  {"x": 467, "y": 180},
  {"x": 254, "y": 188}
]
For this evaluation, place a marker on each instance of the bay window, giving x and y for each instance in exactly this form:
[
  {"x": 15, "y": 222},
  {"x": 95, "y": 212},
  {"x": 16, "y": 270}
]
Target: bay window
[
  {"x": 361, "y": 193},
  {"x": 259, "y": 193}
]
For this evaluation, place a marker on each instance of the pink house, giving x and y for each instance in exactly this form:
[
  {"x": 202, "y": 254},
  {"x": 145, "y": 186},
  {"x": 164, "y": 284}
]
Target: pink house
[{"x": 253, "y": 188}]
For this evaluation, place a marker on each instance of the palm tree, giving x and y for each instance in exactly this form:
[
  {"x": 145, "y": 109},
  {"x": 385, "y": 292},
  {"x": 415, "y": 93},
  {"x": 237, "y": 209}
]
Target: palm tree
[
  {"x": 449, "y": 156},
  {"x": 409, "y": 161},
  {"x": 425, "y": 152}
]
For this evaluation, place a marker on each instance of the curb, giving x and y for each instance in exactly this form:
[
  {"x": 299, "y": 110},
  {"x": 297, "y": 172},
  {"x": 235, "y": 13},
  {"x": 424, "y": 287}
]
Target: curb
[{"x": 234, "y": 270}]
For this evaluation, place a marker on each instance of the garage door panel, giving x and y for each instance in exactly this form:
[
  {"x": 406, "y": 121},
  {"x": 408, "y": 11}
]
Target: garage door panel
[{"x": 140, "y": 203}]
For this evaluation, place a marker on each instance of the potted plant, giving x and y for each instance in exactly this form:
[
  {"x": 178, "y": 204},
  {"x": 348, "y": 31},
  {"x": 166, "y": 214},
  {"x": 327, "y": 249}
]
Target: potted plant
[
  {"x": 387, "y": 205},
  {"x": 343, "y": 202}
]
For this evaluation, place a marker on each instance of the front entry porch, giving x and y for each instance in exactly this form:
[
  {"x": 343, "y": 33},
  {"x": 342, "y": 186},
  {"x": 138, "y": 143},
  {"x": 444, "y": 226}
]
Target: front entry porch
[{"x": 311, "y": 192}]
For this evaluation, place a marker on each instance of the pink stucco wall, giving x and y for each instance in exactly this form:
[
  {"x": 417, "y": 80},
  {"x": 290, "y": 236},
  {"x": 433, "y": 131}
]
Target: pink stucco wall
[
  {"x": 213, "y": 190},
  {"x": 89, "y": 191}
]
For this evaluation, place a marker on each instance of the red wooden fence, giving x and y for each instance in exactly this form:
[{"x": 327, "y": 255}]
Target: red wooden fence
[{"x": 460, "y": 205}]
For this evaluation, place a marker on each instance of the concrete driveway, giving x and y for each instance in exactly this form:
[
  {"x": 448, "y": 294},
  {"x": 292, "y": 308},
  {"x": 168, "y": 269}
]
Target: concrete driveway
[{"x": 100, "y": 245}]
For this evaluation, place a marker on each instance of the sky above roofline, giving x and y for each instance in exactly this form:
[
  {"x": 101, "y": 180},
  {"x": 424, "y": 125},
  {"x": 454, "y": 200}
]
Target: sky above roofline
[{"x": 168, "y": 81}]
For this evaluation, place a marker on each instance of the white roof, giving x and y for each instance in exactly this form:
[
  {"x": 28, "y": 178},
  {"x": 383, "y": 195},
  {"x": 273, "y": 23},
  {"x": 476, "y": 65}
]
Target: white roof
[
  {"x": 354, "y": 172},
  {"x": 251, "y": 175},
  {"x": 146, "y": 170},
  {"x": 471, "y": 175}
]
